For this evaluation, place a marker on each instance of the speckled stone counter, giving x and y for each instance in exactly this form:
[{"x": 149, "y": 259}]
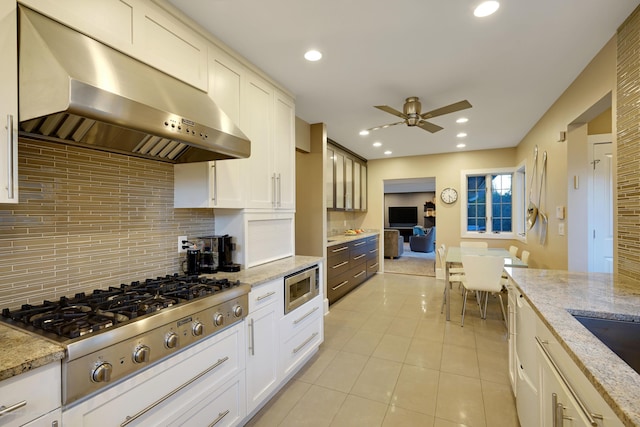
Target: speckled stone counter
[
  {"x": 342, "y": 238},
  {"x": 554, "y": 295},
  {"x": 21, "y": 352},
  {"x": 273, "y": 270}
]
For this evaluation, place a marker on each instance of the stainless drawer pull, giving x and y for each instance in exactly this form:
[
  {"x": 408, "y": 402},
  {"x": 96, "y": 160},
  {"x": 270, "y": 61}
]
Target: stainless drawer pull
[
  {"x": 5, "y": 410},
  {"x": 583, "y": 408},
  {"x": 344, "y": 248},
  {"x": 295, "y": 322},
  {"x": 267, "y": 295},
  {"x": 374, "y": 265},
  {"x": 215, "y": 183},
  {"x": 360, "y": 274},
  {"x": 10, "y": 160},
  {"x": 359, "y": 256},
  {"x": 359, "y": 243},
  {"x": 340, "y": 285},
  {"x": 252, "y": 340},
  {"x": 128, "y": 420},
  {"x": 373, "y": 251},
  {"x": 221, "y": 415},
  {"x": 341, "y": 264},
  {"x": 307, "y": 341}
]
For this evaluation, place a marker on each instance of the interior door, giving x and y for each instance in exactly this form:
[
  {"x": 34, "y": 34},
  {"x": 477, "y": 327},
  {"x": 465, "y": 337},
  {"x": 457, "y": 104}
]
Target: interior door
[{"x": 601, "y": 209}]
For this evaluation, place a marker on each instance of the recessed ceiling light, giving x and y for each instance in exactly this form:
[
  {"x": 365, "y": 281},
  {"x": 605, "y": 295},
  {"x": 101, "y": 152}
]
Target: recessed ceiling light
[
  {"x": 461, "y": 145},
  {"x": 377, "y": 144},
  {"x": 462, "y": 120},
  {"x": 461, "y": 135},
  {"x": 486, "y": 8},
  {"x": 312, "y": 55},
  {"x": 387, "y": 152},
  {"x": 364, "y": 132}
]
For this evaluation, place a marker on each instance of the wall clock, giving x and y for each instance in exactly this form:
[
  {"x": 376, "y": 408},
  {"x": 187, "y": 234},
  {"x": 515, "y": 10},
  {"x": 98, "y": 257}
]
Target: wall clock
[{"x": 449, "y": 195}]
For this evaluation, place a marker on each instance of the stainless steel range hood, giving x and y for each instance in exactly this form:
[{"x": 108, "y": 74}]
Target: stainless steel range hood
[{"x": 75, "y": 90}]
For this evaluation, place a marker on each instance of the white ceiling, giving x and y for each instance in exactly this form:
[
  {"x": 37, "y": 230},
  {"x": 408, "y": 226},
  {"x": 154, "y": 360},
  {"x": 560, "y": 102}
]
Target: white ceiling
[{"x": 511, "y": 66}]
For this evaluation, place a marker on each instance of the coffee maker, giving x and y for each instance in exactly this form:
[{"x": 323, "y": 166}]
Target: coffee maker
[{"x": 217, "y": 254}]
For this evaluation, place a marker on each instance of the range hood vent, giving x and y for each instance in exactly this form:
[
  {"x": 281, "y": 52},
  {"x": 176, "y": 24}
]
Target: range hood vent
[{"x": 78, "y": 91}]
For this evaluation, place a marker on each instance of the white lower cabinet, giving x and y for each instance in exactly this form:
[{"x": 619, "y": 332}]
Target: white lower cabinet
[
  {"x": 265, "y": 307},
  {"x": 511, "y": 323},
  {"x": 301, "y": 332},
  {"x": 36, "y": 396},
  {"x": 567, "y": 397}
]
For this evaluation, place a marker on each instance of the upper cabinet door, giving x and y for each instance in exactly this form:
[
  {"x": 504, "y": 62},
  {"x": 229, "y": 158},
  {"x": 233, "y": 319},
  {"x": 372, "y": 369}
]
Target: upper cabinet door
[
  {"x": 329, "y": 187},
  {"x": 8, "y": 103},
  {"x": 138, "y": 28},
  {"x": 356, "y": 186},
  {"x": 284, "y": 141}
]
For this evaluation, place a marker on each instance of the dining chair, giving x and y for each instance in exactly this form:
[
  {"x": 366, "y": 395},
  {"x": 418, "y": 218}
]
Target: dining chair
[
  {"x": 525, "y": 257},
  {"x": 482, "y": 275},
  {"x": 456, "y": 274},
  {"x": 513, "y": 250},
  {"x": 475, "y": 244}
]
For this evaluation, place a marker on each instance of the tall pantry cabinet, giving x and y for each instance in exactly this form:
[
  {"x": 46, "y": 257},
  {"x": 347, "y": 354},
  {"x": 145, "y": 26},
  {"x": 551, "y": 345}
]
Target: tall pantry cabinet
[{"x": 8, "y": 103}]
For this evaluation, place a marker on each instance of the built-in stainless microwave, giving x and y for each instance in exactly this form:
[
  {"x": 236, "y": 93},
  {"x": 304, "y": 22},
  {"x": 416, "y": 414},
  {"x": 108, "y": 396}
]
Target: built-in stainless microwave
[{"x": 300, "y": 287}]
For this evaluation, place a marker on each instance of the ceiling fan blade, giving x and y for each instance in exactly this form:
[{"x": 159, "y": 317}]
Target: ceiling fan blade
[
  {"x": 385, "y": 126},
  {"x": 433, "y": 128},
  {"x": 462, "y": 105},
  {"x": 391, "y": 110}
]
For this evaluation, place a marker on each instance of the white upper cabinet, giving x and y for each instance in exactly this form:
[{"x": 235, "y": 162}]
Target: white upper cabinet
[
  {"x": 284, "y": 149},
  {"x": 8, "y": 103},
  {"x": 138, "y": 28}
]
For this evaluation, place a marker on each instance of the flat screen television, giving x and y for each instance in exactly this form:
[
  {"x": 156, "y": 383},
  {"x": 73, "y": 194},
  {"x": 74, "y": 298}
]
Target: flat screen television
[{"x": 403, "y": 216}]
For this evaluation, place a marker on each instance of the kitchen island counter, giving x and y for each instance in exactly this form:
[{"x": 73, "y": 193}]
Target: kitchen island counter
[
  {"x": 556, "y": 294},
  {"x": 21, "y": 352}
]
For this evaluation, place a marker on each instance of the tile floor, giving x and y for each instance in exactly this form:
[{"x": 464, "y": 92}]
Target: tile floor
[{"x": 390, "y": 359}]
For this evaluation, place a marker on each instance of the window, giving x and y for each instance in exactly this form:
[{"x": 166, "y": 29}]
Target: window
[{"x": 492, "y": 202}]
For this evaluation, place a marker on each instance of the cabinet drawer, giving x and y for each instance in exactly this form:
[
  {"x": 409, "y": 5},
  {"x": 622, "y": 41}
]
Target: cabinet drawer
[
  {"x": 300, "y": 318},
  {"x": 372, "y": 267},
  {"x": 40, "y": 389},
  {"x": 336, "y": 250},
  {"x": 358, "y": 247},
  {"x": 301, "y": 345},
  {"x": 265, "y": 294},
  {"x": 338, "y": 265}
]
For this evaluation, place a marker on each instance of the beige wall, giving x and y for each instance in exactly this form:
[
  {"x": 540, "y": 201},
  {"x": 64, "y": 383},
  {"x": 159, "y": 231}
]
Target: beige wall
[
  {"x": 446, "y": 169},
  {"x": 572, "y": 108},
  {"x": 88, "y": 219}
]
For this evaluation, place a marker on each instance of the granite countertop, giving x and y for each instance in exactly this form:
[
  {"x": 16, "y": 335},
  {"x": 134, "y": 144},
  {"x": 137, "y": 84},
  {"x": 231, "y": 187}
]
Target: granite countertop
[
  {"x": 553, "y": 293},
  {"x": 21, "y": 351},
  {"x": 343, "y": 238}
]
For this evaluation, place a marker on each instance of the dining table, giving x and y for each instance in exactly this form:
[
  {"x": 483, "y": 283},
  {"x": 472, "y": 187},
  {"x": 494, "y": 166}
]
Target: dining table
[{"x": 454, "y": 256}]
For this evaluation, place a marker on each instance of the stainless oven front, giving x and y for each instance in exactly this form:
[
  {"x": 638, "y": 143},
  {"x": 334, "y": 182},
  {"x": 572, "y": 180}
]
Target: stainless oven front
[{"x": 300, "y": 287}]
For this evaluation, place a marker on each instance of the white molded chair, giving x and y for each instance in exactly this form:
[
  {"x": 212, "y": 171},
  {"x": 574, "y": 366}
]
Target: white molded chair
[
  {"x": 525, "y": 257},
  {"x": 513, "y": 250},
  {"x": 475, "y": 244},
  {"x": 456, "y": 274},
  {"x": 483, "y": 274}
]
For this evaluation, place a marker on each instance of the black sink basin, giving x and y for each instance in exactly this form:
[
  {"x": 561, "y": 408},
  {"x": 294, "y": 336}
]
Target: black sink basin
[{"x": 622, "y": 337}]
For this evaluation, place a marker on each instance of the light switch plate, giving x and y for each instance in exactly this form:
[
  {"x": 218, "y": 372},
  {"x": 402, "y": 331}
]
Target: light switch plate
[
  {"x": 560, "y": 212},
  {"x": 561, "y": 229}
]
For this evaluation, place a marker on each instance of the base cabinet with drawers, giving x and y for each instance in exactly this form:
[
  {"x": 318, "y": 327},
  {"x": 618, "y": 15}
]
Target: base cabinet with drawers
[{"x": 349, "y": 263}]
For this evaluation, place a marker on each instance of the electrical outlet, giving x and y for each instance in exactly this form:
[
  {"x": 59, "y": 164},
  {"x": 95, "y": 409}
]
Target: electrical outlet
[{"x": 180, "y": 244}]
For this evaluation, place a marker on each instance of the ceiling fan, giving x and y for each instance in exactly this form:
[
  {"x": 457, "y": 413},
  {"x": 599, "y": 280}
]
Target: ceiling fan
[{"x": 412, "y": 117}]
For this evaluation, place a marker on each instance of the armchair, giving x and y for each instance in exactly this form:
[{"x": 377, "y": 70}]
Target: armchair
[
  {"x": 423, "y": 243},
  {"x": 393, "y": 244}
]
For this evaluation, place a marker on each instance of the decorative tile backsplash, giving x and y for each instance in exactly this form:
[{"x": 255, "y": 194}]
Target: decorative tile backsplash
[
  {"x": 628, "y": 139},
  {"x": 89, "y": 219}
]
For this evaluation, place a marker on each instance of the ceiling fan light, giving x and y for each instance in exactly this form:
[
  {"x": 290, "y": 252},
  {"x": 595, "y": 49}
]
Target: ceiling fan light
[
  {"x": 486, "y": 8},
  {"x": 312, "y": 55}
]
